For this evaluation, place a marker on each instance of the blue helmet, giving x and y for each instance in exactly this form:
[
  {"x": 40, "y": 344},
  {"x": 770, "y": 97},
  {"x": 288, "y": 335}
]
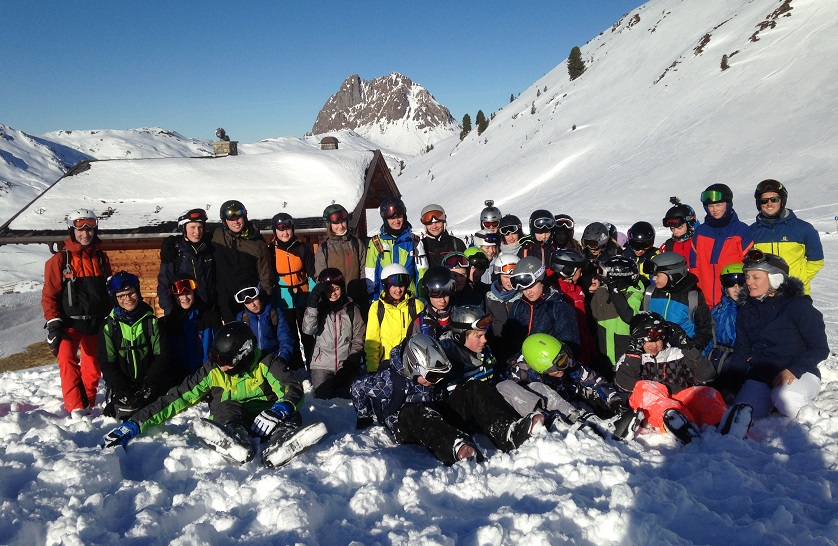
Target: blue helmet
[{"x": 121, "y": 281}]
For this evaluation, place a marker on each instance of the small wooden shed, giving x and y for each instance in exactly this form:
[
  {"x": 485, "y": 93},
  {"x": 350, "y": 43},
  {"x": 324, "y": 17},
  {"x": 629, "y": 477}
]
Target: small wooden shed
[{"x": 138, "y": 201}]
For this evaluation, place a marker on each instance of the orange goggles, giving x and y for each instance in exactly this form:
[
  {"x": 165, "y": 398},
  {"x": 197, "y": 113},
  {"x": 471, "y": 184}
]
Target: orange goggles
[
  {"x": 180, "y": 286},
  {"x": 432, "y": 217},
  {"x": 85, "y": 223}
]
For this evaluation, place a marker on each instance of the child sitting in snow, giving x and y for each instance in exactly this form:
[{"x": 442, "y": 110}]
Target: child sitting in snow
[{"x": 724, "y": 319}]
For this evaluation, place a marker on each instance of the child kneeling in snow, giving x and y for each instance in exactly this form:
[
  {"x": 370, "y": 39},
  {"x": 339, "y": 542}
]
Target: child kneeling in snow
[
  {"x": 245, "y": 388},
  {"x": 666, "y": 377},
  {"x": 408, "y": 396}
]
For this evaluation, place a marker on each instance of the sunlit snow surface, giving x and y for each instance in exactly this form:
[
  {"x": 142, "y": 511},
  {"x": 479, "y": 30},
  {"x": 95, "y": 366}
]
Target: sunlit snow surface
[{"x": 58, "y": 487}]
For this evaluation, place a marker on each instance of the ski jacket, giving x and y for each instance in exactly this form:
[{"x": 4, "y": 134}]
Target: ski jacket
[
  {"x": 673, "y": 304},
  {"x": 344, "y": 252},
  {"x": 628, "y": 252},
  {"x": 74, "y": 286},
  {"x": 383, "y": 250},
  {"x": 431, "y": 250},
  {"x": 497, "y": 303},
  {"x": 575, "y": 297},
  {"x": 385, "y": 392},
  {"x": 294, "y": 265},
  {"x": 387, "y": 326},
  {"x": 133, "y": 354},
  {"x": 681, "y": 247},
  {"x": 338, "y": 336},
  {"x": 715, "y": 247},
  {"x": 189, "y": 334},
  {"x": 675, "y": 368},
  {"x": 272, "y": 332},
  {"x": 547, "y": 315},
  {"x": 429, "y": 322},
  {"x": 720, "y": 348},
  {"x": 179, "y": 255},
  {"x": 465, "y": 364},
  {"x": 267, "y": 381},
  {"x": 540, "y": 249},
  {"x": 612, "y": 313},
  {"x": 783, "y": 331},
  {"x": 241, "y": 260},
  {"x": 793, "y": 239}
]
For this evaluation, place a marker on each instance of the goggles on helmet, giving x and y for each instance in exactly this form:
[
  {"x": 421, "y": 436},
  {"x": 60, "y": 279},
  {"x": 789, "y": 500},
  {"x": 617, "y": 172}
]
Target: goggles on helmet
[
  {"x": 675, "y": 222},
  {"x": 508, "y": 230},
  {"x": 399, "y": 279},
  {"x": 560, "y": 363},
  {"x": 283, "y": 225},
  {"x": 233, "y": 213},
  {"x": 194, "y": 215},
  {"x": 337, "y": 217},
  {"x": 482, "y": 324},
  {"x": 490, "y": 224},
  {"x": 432, "y": 217},
  {"x": 593, "y": 244},
  {"x": 331, "y": 279},
  {"x": 712, "y": 196},
  {"x": 489, "y": 239},
  {"x": 246, "y": 294},
  {"x": 730, "y": 280},
  {"x": 566, "y": 223},
  {"x": 772, "y": 199},
  {"x": 755, "y": 256},
  {"x": 505, "y": 269},
  {"x": 769, "y": 185},
  {"x": 544, "y": 223},
  {"x": 522, "y": 281},
  {"x": 655, "y": 333},
  {"x": 180, "y": 286},
  {"x": 394, "y": 210},
  {"x": 432, "y": 376},
  {"x": 456, "y": 260},
  {"x": 85, "y": 223}
]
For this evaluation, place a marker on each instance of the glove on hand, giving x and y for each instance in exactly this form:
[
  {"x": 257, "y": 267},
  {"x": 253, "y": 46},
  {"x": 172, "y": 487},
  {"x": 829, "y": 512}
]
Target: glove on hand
[
  {"x": 678, "y": 337},
  {"x": 363, "y": 422},
  {"x": 121, "y": 435},
  {"x": 610, "y": 284},
  {"x": 317, "y": 293},
  {"x": 55, "y": 333},
  {"x": 267, "y": 421},
  {"x": 635, "y": 346},
  {"x": 616, "y": 404}
]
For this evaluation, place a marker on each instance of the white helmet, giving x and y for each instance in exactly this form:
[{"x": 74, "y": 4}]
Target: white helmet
[
  {"x": 392, "y": 269},
  {"x": 505, "y": 263},
  {"x": 81, "y": 214}
]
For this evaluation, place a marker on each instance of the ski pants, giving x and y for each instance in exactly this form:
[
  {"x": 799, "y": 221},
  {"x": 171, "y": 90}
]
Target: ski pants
[
  {"x": 788, "y": 399},
  {"x": 530, "y": 397},
  {"x": 423, "y": 424},
  {"x": 330, "y": 384},
  {"x": 79, "y": 374},
  {"x": 701, "y": 405},
  {"x": 232, "y": 412}
]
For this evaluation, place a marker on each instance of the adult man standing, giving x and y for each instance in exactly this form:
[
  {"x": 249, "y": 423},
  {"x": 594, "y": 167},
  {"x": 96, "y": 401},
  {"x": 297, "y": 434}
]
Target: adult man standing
[
  {"x": 75, "y": 301},
  {"x": 779, "y": 231}
]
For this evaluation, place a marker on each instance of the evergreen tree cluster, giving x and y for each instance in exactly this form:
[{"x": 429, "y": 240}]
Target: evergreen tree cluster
[{"x": 575, "y": 64}]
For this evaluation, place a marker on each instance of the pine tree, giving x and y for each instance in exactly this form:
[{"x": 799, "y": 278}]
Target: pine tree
[
  {"x": 481, "y": 121},
  {"x": 466, "y": 126},
  {"x": 575, "y": 64},
  {"x": 511, "y": 97}
]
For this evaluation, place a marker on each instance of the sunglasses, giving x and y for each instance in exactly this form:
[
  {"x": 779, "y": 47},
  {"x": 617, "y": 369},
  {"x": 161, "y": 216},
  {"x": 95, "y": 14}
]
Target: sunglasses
[
  {"x": 85, "y": 223},
  {"x": 482, "y": 324},
  {"x": 566, "y": 223},
  {"x": 560, "y": 363},
  {"x": 456, "y": 260},
  {"x": 712, "y": 196},
  {"x": 733, "y": 279},
  {"x": 233, "y": 214},
  {"x": 180, "y": 286},
  {"x": 399, "y": 279},
  {"x": 490, "y": 224},
  {"x": 522, "y": 281},
  {"x": 283, "y": 226},
  {"x": 544, "y": 223},
  {"x": 593, "y": 244},
  {"x": 432, "y": 217},
  {"x": 338, "y": 217},
  {"x": 127, "y": 296},
  {"x": 772, "y": 199},
  {"x": 656, "y": 333},
  {"x": 246, "y": 294},
  {"x": 674, "y": 222},
  {"x": 393, "y": 211},
  {"x": 508, "y": 230}
]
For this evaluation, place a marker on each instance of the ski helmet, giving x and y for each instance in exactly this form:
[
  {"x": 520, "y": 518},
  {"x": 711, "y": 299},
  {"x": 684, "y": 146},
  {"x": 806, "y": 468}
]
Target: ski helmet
[
  {"x": 671, "y": 264},
  {"x": 678, "y": 215},
  {"x": 189, "y": 216},
  {"x": 81, "y": 219},
  {"x": 564, "y": 262},
  {"x": 282, "y": 220},
  {"x": 717, "y": 193},
  {"x": 542, "y": 221},
  {"x": 395, "y": 274},
  {"x": 477, "y": 258},
  {"x": 776, "y": 267},
  {"x": 641, "y": 236},
  {"x": 595, "y": 235},
  {"x": 392, "y": 207},
  {"x": 648, "y": 326},
  {"x": 232, "y": 346},
  {"x": 528, "y": 271},
  {"x": 332, "y": 275},
  {"x": 509, "y": 224},
  {"x": 564, "y": 222},
  {"x": 623, "y": 270},
  {"x": 432, "y": 213},
  {"x": 771, "y": 186},
  {"x": 456, "y": 260},
  {"x": 438, "y": 279},
  {"x": 732, "y": 274},
  {"x": 544, "y": 354},
  {"x": 504, "y": 264},
  {"x": 484, "y": 237},
  {"x": 184, "y": 282},
  {"x": 122, "y": 281},
  {"x": 232, "y": 209},
  {"x": 468, "y": 317},
  {"x": 335, "y": 214},
  {"x": 423, "y": 357},
  {"x": 490, "y": 214}
]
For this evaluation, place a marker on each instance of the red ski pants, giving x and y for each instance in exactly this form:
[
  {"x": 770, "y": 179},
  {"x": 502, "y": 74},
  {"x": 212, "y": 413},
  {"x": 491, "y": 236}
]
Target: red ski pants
[
  {"x": 701, "y": 405},
  {"x": 79, "y": 376}
]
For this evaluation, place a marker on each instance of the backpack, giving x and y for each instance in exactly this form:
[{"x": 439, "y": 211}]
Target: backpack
[
  {"x": 67, "y": 271},
  {"x": 692, "y": 300},
  {"x": 116, "y": 332},
  {"x": 411, "y": 311},
  {"x": 274, "y": 317}
]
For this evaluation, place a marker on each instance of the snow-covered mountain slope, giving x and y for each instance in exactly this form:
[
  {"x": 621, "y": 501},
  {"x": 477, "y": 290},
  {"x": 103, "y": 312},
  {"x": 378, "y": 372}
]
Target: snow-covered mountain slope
[
  {"x": 142, "y": 143},
  {"x": 392, "y": 111},
  {"x": 654, "y": 115}
]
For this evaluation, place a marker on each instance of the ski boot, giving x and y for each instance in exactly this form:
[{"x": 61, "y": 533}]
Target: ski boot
[
  {"x": 676, "y": 424},
  {"x": 233, "y": 442},
  {"x": 737, "y": 421},
  {"x": 288, "y": 441}
]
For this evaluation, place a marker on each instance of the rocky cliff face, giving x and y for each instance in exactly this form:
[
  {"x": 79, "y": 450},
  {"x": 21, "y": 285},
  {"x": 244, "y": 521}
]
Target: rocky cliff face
[{"x": 392, "y": 111}]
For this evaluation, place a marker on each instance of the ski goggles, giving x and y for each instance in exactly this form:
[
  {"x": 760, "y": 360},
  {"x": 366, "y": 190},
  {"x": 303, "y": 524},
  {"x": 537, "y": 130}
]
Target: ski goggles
[
  {"x": 482, "y": 324},
  {"x": 85, "y": 223},
  {"x": 560, "y": 363},
  {"x": 593, "y": 244},
  {"x": 456, "y": 260},
  {"x": 338, "y": 217},
  {"x": 640, "y": 245},
  {"x": 491, "y": 224},
  {"x": 432, "y": 217},
  {"x": 565, "y": 223},
  {"x": 393, "y": 211},
  {"x": 769, "y": 185},
  {"x": 522, "y": 281},
  {"x": 284, "y": 225},
  {"x": 656, "y": 333},
  {"x": 180, "y": 286},
  {"x": 399, "y": 279},
  {"x": 712, "y": 196},
  {"x": 432, "y": 376},
  {"x": 546, "y": 222},
  {"x": 327, "y": 278},
  {"x": 505, "y": 269},
  {"x": 755, "y": 256},
  {"x": 766, "y": 200},
  {"x": 233, "y": 213},
  {"x": 488, "y": 239},
  {"x": 194, "y": 215},
  {"x": 222, "y": 360},
  {"x": 730, "y": 280},
  {"x": 246, "y": 294},
  {"x": 444, "y": 293},
  {"x": 674, "y": 222},
  {"x": 509, "y": 230}
]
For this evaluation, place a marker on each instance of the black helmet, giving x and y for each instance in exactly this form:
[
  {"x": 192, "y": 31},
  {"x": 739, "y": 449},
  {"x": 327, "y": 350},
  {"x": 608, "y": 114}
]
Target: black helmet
[
  {"x": 623, "y": 270},
  {"x": 717, "y": 193},
  {"x": 423, "y": 357},
  {"x": 392, "y": 207},
  {"x": 595, "y": 235},
  {"x": 648, "y": 326},
  {"x": 542, "y": 221},
  {"x": 189, "y": 216},
  {"x": 509, "y": 224},
  {"x": 564, "y": 262},
  {"x": 641, "y": 236},
  {"x": 232, "y": 346},
  {"x": 490, "y": 214},
  {"x": 282, "y": 219},
  {"x": 679, "y": 214},
  {"x": 671, "y": 264},
  {"x": 332, "y": 275},
  {"x": 232, "y": 209},
  {"x": 776, "y": 187},
  {"x": 438, "y": 279},
  {"x": 468, "y": 317}
]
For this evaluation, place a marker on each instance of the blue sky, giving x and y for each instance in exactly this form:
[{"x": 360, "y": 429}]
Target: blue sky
[{"x": 264, "y": 69}]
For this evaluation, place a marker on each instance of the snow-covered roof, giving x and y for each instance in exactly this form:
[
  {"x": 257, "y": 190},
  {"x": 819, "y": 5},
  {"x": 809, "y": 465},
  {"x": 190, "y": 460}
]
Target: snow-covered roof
[{"x": 155, "y": 191}]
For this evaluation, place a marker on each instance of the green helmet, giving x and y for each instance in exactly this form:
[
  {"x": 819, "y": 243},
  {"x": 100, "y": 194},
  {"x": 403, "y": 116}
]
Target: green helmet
[
  {"x": 476, "y": 257},
  {"x": 544, "y": 353},
  {"x": 735, "y": 267}
]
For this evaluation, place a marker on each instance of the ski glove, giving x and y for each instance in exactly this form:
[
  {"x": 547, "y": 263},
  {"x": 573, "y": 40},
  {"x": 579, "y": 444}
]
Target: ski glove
[
  {"x": 317, "y": 294},
  {"x": 363, "y": 422},
  {"x": 635, "y": 346},
  {"x": 267, "y": 421},
  {"x": 121, "y": 434},
  {"x": 678, "y": 337},
  {"x": 55, "y": 333}
]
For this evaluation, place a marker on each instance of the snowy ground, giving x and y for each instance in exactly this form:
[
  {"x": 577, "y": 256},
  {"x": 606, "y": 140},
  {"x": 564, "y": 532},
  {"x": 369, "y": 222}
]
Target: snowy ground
[{"x": 58, "y": 487}]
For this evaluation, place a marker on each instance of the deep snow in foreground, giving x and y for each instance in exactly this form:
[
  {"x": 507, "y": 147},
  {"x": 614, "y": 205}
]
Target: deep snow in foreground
[{"x": 58, "y": 487}]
